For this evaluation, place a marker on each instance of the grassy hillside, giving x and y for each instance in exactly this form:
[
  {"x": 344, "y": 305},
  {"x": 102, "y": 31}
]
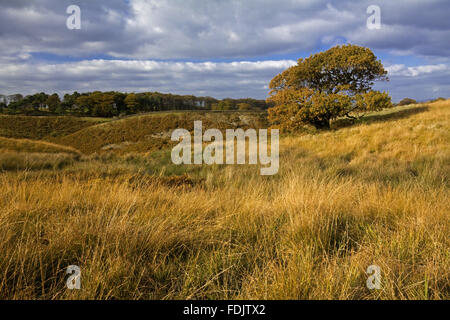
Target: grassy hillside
[
  {"x": 372, "y": 193},
  {"x": 152, "y": 132},
  {"x": 24, "y": 154},
  {"x": 38, "y": 128},
  {"x": 26, "y": 145}
]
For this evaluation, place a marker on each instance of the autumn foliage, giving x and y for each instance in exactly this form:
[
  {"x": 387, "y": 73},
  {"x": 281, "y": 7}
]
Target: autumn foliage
[{"x": 327, "y": 85}]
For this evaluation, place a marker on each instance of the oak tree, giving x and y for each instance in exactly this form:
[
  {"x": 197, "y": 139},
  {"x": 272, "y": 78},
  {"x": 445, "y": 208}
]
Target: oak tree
[{"x": 334, "y": 83}]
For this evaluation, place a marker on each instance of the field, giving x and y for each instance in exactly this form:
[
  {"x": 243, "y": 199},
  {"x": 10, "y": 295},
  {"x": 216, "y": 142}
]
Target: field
[{"x": 105, "y": 196}]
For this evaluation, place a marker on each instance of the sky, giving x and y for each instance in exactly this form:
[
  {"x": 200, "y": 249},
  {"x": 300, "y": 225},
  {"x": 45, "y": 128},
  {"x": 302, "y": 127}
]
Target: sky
[{"x": 218, "y": 48}]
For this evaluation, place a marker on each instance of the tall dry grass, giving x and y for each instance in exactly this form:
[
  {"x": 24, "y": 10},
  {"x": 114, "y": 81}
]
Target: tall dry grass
[
  {"x": 43, "y": 127},
  {"x": 343, "y": 200},
  {"x": 30, "y": 146}
]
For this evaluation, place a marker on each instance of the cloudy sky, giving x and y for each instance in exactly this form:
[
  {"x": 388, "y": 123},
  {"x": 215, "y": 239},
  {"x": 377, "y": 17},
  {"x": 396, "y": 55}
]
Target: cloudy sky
[{"x": 220, "y": 48}]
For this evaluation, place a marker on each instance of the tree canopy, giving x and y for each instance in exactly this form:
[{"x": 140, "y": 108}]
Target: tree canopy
[
  {"x": 113, "y": 103},
  {"x": 330, "y": 84}
]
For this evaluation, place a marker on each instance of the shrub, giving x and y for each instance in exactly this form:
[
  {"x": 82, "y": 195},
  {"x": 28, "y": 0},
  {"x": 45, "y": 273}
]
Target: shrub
[{"x": 407, "y": 101}]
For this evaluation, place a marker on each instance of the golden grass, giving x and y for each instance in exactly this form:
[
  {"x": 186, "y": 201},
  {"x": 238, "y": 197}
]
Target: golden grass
[
  {"x": 376, "y": 193},
  {"x": 24, "y": 154},
  {"x": 38, "y": 127},
  {"x": 26, "y": 145},
  {"x": 151, "y": 132},
  {"x": 12, "y": 161}
]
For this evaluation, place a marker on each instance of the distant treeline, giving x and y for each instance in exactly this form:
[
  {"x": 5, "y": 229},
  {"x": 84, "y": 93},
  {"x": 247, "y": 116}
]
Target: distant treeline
[{"x": 111, "y": 104}]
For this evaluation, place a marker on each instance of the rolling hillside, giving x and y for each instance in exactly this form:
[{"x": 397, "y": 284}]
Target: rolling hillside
[
  {"x": 151, "y": 132},
  {"x": 372, "y": 193},
  {"x": 42, "y": 128},
  {"x": 26, "y": 145}
]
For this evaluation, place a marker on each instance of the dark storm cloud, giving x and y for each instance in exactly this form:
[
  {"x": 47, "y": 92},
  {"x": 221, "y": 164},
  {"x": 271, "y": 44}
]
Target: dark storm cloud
[
  {"x": 40, "y": 26},
  {"x": 161, "y": 29}
]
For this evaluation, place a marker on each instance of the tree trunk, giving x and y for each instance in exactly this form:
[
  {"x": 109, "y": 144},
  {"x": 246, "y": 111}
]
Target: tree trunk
[{"x": 321, "y": 123}]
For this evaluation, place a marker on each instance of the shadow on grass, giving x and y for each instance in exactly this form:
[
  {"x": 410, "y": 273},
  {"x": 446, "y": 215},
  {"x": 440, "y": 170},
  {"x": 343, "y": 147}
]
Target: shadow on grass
[{"x": 390, "y": 116}]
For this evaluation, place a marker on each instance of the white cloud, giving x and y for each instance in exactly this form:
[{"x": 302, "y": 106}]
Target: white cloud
[
  {"x": 402, "y": 70},
  {"x": 417, "y": 82},
  {"x": 220, "y": 79}
]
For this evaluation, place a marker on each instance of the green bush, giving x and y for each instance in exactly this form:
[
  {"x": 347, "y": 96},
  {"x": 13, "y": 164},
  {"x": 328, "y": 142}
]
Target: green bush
[{"x": 407, "y": 101}]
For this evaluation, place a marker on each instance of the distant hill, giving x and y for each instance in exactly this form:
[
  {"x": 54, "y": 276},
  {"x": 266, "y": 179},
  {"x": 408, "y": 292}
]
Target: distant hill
[
  {"x": 25, "y": 145},
  {"x": 37, "y": 128},
  {"x": 153, "y": 131}
]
